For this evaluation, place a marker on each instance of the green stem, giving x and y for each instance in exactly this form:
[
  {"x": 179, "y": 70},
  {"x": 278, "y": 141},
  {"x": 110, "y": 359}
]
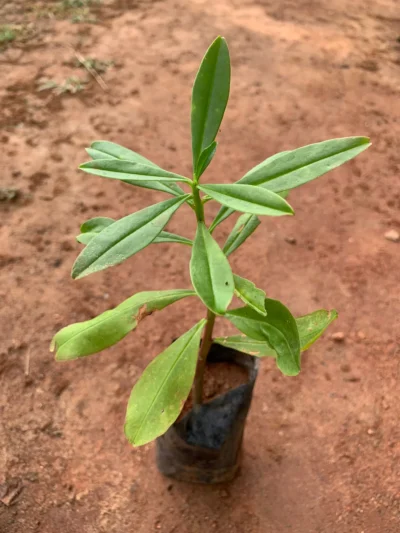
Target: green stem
[
  {"x": 208, "y": 330},
  {"x": 198, "y": 204},
  {"x": 202, "y": 359}
]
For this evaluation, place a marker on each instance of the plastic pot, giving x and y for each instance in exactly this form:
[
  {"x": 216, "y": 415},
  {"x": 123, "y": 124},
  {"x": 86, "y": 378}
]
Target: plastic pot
[{"x": 205, "y": 445}]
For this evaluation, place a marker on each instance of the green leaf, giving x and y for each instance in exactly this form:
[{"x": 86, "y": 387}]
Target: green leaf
[
  {"x": 287, "y": 170},
  {"x": 210, "y": 97},
  {"x": 92, "y": 227},
  {"x": 247, "y": 345},
  {"x": 296, "y": 167},
  {"x": 129, "y": 170},
  {"x": 165, "y": 236},
  {"x": 312, "y": 326},
  {"x": 158, "y": 397},
  {"x": 226, "y": 212},
  {"x": 210, "y": 272},
  {"x": 250, "y": 294},
  {"x": 97, "y": 334},
  {"x": 244, "y": 227},
  {"x": 97, "y": 154},
  {"x": 278, "y": 329},
  {"x": 222, "y": 215},
  {"x": 125, "y": 237},
  {"x": 248, "y": 199},
  {"x": 205, "y": 159},
  {"x": 96, "y": 224},
  {"x": 110, "y": 150}
]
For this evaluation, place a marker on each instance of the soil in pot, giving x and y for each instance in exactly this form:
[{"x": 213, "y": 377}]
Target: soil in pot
[
  {"x": 218, "y": 378},
  {"x": 204, "y": 445}
]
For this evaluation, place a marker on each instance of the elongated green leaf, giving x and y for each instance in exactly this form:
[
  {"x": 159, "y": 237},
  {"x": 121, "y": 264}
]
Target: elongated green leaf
[
  {"x": 278, "y": 329},
  {"x": 97, "y": 334},
  {"x": 210, "y": 272},
  {"x": 109, "y": 150},
  {"x": 129, "y": 170},
  {"x": 210, "y": 97},
  {"x": 165, "y": 236},
  {"x": 92, "y": 227},
  {"x": 250, "y": 294},
  {"x": 246, "y": 345},
  {"x": 248, "y": 199},
  {"x": 244, "y": 227},
  {"x": 205, "y": 159},
  {"x": 125, "y": 237},
  {"x": 158, "y": 397},
  {"x": 312, "y": 326},
  {"x": 287, "y": 170},
  {"x": 226, "y": 212},
  {"x": 296, "y": 167}
]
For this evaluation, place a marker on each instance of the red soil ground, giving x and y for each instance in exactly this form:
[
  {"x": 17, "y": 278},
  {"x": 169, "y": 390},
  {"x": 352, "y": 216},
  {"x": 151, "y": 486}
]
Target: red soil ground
[{"x": 321, "y": 451}]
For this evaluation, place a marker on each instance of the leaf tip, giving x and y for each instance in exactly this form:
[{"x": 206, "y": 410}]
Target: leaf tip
[
  {"x": 333, "y": 314},
  {"x": 75, "y": 273}
]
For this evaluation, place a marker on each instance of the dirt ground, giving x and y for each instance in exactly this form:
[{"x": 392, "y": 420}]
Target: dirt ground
[{"x": 322, "y": 450}]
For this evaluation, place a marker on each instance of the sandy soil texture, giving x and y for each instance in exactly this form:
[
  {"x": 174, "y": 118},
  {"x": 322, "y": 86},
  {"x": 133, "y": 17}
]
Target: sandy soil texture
[{"x": 322, "y": 451}]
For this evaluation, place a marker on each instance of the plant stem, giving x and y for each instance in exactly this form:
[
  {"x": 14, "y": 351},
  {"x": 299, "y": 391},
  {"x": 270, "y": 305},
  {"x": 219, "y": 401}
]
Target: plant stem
[
  {"x": 198, "y": 204},
  {"x": 202, "y": 359},
  {"x": 208, "y": 331}
]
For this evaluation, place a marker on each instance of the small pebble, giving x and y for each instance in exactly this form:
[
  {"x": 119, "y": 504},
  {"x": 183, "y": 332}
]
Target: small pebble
[
  {"x": 338, "y": 336},
  {"x": 291, "y": 240},
  {"x": 361, "y": 335},
  {"x": 371, "y": 431},
  {"x": 392, "y": 235},
  {"x": 81, "y": 495}
]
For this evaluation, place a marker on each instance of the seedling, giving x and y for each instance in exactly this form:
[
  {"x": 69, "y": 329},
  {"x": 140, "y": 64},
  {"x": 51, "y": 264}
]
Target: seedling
[
  {"x": 267, "y": 326},
  {"x": 71, "y": 85}
]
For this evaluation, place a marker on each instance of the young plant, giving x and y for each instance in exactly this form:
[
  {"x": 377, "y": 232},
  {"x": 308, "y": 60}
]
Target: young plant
[{"x": 267, "y": 326}]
